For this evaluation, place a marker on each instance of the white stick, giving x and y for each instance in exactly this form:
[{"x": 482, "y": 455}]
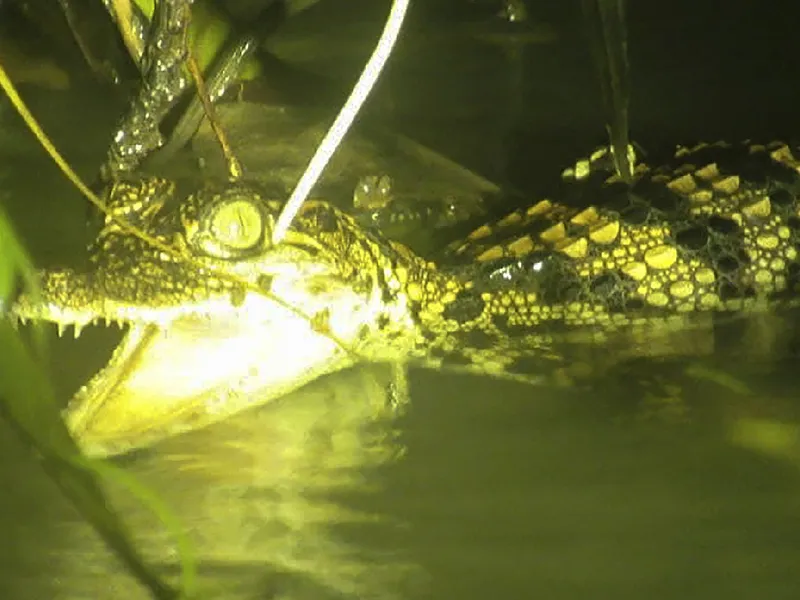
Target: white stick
[{"x": 344, "y": 119}]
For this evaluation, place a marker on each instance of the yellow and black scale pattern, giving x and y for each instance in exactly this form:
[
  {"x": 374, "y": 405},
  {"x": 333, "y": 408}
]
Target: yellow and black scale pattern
[
  {"x": 715, "y": 229},
  {"x": 604, "y": 273}
]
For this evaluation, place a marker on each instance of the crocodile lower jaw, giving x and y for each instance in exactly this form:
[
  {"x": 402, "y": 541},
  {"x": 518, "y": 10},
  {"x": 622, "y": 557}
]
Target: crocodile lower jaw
[
  {"x": 175, "y": 376},
  {"x": 163, "y": 381}
]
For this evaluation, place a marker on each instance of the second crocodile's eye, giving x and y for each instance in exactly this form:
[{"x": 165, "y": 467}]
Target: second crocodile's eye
[{"x": 372, "y": 192}]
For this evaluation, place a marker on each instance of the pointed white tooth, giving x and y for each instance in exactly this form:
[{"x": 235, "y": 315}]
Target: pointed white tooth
[
  {"x": 61, "y": 329},
  {"x": 78, "y": 329}
]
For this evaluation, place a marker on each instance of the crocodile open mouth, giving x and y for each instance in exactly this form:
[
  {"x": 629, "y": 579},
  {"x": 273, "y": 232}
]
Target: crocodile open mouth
[
  {"x": 232, "y": 323},
  {"x": 176, "y": 369}
]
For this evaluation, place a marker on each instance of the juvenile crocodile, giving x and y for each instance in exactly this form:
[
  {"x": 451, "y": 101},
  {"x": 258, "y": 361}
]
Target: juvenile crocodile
[{"x": 623, "y": 271}]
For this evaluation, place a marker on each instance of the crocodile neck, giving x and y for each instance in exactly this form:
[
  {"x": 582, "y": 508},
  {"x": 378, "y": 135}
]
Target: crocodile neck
[
  {"x": 461, "y": 319},
  {"x": 440, "y": 316}
]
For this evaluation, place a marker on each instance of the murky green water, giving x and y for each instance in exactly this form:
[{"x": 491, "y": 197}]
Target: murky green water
[{"x": 477, "y": 488}]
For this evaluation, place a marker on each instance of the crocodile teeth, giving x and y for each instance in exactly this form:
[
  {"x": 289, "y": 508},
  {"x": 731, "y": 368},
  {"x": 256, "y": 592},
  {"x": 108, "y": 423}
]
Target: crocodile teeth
[{"x": 76, "y": 332}]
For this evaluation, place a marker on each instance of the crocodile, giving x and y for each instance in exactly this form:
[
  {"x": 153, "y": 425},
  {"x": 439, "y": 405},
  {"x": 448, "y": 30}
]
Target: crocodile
[{"x": 617, "y": 270}]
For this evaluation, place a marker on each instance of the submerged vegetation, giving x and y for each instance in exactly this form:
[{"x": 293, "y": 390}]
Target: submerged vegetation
[{"x": 28, "y": 404}]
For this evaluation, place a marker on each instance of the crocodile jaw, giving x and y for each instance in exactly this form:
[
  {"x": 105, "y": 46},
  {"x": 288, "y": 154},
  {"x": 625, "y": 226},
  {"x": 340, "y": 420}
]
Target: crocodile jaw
[
  {"x": 181, "y": 367},
  {"x": 161, "y": 381}
]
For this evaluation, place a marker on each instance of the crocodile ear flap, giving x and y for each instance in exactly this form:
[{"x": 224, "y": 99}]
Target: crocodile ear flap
[{"x": 269, "y": 228}]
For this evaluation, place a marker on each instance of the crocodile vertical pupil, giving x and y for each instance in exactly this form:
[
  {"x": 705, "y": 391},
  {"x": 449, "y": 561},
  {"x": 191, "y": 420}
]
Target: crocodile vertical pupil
[{"x": 237, "y": 225}]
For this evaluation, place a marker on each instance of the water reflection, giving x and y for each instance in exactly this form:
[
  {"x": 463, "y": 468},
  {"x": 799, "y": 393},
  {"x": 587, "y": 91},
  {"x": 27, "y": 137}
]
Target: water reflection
[
  {"x": 276, "y": 503},
  {"x": 480, "y": 488},
  {"x": 514, "y": 492}
]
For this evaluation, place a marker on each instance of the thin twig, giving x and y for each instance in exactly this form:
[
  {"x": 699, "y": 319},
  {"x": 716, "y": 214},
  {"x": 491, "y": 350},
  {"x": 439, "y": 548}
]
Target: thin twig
[
  {"x": 98, "y": 67},
  {"x": 8, "y": 87},
  {"x": 234, "y": 167}
]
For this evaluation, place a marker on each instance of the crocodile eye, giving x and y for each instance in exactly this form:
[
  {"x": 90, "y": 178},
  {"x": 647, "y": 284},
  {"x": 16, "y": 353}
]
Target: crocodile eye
[
  {"x": 238, "y": 225},
  {"x": 232, "y": 228}
]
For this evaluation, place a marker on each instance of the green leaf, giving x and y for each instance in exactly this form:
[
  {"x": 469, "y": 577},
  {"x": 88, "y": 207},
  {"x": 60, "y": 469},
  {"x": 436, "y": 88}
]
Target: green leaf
[
  {"x": 28, "y": 403},
  {"x": 14, "y": 262},
  {"x": 7, "y": 268}
]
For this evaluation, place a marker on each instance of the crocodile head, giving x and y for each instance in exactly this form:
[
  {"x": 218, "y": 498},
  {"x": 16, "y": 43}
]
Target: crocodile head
[{"x": 218, "y": 319}]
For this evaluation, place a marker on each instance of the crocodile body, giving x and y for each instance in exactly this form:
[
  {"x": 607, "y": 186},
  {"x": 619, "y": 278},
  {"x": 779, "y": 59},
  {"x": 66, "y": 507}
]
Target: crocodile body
[
  {"x": 227, "y": 320},
  {"x": 715, "y": 230}
]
